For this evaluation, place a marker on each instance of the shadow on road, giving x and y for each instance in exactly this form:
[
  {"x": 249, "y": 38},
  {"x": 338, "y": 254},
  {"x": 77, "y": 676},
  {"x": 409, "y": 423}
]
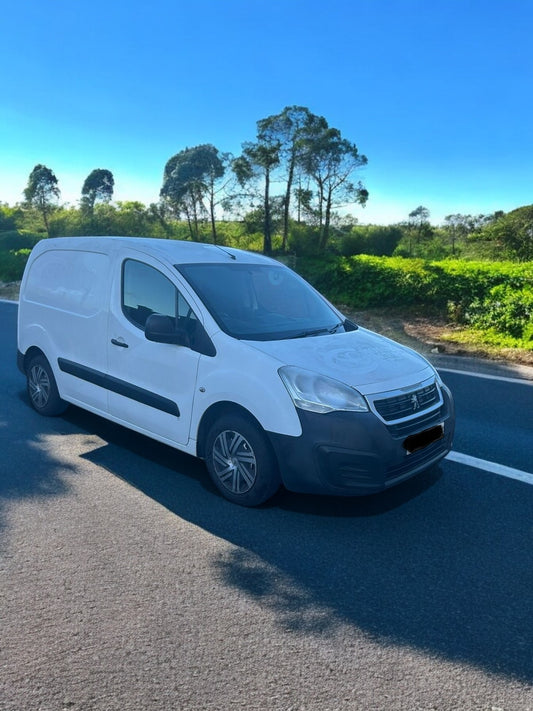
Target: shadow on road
[
  {"x": 27, "y": 468},
  {"x": 437, "y": 564}
]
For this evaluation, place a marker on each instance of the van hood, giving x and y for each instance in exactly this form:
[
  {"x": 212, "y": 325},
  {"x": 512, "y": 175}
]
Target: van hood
[{"x": 363, "y": 359}]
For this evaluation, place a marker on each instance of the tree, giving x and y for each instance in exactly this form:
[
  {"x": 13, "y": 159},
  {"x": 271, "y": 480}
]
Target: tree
[
  {"x": 378, "y": 240},
  {"x": 8, "y": 217},
  {"x": 514, "y": 232},
  {"x": 98, "y": 185},
  {"x": 456, "y": 226},
  {"x": 418, "y": 225},
  {"x": 254, "y": 221},
  {"x": 216, "y": 186},
  {"x": 256, "y": 164},
  {"x": 330, "y": 161},
  {"x": 41, "y": 192},
  {"x": 289, "y": 129},
  {"x": 189, "y": 184}
]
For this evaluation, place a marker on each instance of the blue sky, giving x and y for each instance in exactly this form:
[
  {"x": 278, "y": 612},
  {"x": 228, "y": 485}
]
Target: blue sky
[{"x": 437, "y": 94}]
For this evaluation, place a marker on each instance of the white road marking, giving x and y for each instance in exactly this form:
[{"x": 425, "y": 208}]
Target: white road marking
[
  {"x": 492, "y": 467},
  {"x": 488, "y": 376}
]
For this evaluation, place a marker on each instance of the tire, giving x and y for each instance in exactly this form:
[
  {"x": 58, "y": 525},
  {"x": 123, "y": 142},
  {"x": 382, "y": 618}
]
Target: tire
[
  {"x": 42, "y": 388},
  {"x": 241, "y": 462}
]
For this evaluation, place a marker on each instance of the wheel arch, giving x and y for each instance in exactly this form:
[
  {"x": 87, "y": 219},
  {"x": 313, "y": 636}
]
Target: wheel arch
[
  {"x": 41, "y": 384},
  {"x": 215, "y": 412},
  {"x": 31, "y": 353}
]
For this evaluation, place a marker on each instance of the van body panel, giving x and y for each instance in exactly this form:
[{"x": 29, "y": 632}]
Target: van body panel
[
  {"x": 249, "y": 379},
  {"x": 65, "y": 295},
  {"x": 358, "y": 358}
]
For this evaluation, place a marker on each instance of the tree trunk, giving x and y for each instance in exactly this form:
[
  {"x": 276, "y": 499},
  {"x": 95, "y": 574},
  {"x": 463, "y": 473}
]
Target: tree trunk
[
  {"x": 195, "y": 215},
  {"x": 189, "y": 222},
  {"x": 324, "y": 232},
  {"x": 267, "y": 242},
  {"x": 320, "y": 204},
  {"x": 212, "y": 214},
  {"x": 286, "y": 207},
  {"x": 44, "y": 212}
]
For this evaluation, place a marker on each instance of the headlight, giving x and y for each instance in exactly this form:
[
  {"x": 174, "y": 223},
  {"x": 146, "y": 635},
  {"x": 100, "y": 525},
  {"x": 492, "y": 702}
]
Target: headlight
[{"x": 318, "y": 393}]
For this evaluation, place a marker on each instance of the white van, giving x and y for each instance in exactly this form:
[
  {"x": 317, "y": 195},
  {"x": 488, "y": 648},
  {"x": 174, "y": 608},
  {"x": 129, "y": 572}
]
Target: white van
[{"x": 229, "y": 356}]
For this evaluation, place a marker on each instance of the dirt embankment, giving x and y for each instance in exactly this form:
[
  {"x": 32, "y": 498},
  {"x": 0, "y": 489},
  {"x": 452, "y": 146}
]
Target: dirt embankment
[
  {"x": 9, "y": 290},
  {"x": 432, "y": 335}
]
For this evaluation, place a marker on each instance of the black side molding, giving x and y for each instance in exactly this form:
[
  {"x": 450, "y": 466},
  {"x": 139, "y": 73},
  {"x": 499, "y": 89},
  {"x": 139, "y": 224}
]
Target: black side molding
[{"x": 121, "y": 387}]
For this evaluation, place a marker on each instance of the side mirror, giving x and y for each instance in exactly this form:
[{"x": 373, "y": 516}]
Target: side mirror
[{"x": 162, "y": 329}]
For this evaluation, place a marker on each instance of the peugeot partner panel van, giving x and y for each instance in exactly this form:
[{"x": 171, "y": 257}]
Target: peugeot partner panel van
[{"x": 229, "y": 356}]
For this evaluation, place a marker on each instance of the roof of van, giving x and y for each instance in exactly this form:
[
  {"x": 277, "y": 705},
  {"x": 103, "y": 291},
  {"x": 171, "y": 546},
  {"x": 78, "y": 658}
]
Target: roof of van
[{"x": 174, "y": 251}]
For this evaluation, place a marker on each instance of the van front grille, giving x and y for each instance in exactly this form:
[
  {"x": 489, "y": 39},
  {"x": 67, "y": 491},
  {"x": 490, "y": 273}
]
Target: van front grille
[
  {"x": 408, "y": 404},
  {"x": 417, "y": 424}
]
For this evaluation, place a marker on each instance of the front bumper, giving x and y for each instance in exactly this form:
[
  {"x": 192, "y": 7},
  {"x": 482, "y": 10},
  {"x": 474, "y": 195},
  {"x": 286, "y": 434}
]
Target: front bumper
[{"x": 353, "y": 454}]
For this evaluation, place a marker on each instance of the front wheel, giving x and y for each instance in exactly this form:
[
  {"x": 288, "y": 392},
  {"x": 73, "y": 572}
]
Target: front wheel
[
  {"x": 241, "y": 462},
  {"x": 42, "y": 388}
]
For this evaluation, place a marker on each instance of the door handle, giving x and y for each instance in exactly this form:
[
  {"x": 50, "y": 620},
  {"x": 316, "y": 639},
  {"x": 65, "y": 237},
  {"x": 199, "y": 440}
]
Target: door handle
[{"x": 116, "y": 342}]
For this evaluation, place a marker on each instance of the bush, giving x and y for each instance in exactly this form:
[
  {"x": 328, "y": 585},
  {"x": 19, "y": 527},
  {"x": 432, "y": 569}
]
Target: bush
[
  {"x": 304, "y": 240},
  {"x": 14, "y": 240},
  {"x": 505, "y": 310},
  {"x": 498, "y": 295},
  {"x": 370, "y": 239},
  {"x": 15, "y": 247},
  {"x": 12, "y": 264},
  {"x": 8, "y": 217},
  {"x": 365, "y": 281}
]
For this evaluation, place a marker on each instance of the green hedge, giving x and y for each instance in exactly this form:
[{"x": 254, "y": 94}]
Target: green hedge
[
  {"x": 485, "y": 295},
  {"x": 15, "y": 239},
  {"x": 12, "y": 264},
  {"x": 15, "y": 247},
  {"x": 504, "y": 310},
  {"x": 364, "y": 281}
]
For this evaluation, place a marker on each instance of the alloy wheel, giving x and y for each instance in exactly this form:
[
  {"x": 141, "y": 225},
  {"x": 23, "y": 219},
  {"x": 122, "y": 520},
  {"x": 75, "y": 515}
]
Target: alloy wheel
[{"x": 234, "y": 462}]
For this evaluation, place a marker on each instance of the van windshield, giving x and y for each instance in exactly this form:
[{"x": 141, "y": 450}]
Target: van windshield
[{"x": 261, "y": 302}]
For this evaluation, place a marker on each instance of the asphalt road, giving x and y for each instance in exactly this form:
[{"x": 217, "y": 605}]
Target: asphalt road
[{"x": 127, "y": 583}]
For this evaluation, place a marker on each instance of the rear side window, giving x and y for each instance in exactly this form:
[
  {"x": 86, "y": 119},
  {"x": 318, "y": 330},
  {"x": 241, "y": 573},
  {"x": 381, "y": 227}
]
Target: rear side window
[{"x": 146, "y": 291}]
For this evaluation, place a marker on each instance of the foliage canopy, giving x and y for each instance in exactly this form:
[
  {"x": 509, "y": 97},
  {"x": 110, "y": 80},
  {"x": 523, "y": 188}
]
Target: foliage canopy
[{"x": 42, "y": 191}]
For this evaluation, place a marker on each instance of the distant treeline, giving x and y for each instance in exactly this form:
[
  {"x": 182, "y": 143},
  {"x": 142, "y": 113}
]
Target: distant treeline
[
  {"x": 289, "y": 191},
  {"x": 507, "y": 236}
]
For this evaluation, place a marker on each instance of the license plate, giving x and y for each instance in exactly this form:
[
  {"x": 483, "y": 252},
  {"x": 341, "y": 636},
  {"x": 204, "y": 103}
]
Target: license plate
[{"x": 422, "y": 439}]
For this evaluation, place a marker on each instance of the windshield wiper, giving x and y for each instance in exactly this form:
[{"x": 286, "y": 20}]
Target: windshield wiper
[
  {"x": 316, "y": 331},
  {"x": 336, "y": 327}
]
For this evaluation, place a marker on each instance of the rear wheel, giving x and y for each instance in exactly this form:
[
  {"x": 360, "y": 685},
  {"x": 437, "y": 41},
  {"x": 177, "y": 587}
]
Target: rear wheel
[
  {"x": 241, "y": 462},
  {"x": 42, "y": 388}
]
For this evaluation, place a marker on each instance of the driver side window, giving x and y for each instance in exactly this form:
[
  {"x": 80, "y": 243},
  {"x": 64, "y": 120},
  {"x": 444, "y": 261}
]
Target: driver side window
[{"x": 146, "y": 291}]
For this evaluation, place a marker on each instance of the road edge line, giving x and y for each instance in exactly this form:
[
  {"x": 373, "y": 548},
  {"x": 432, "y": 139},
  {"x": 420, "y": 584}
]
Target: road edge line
[
  {"x": 491, "y": 467},
  {"x": 489, "y": 376}
]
